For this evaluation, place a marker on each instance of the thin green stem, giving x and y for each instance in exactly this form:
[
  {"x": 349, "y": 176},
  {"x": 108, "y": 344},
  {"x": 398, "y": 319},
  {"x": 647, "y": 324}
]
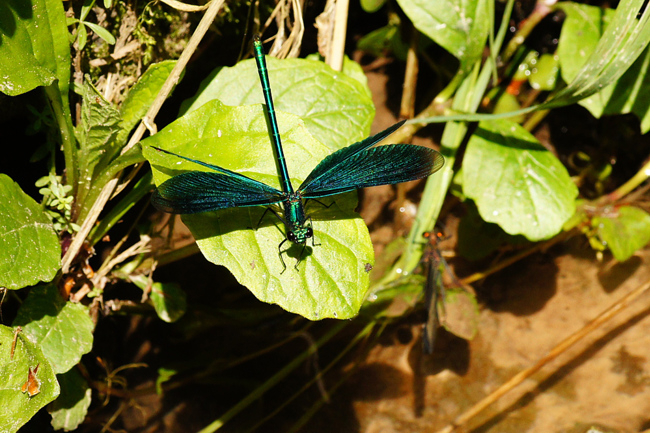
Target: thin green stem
[
  {"x": 641, "y": 176},
  {"x": 64, "y": 122}
]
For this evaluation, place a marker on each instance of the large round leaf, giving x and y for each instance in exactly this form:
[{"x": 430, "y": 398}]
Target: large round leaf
[
  {"x": 336, "y": 108},
  {"x": 30, "y": 248},
  {"x": 331, "y": 280},
  {"x": 516, "y": 182}
]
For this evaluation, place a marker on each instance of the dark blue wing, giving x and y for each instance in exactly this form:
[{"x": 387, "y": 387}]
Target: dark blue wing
[
  {"x": 200, "y": 191},
  {"x": 383, "y": 165},
  {"x": 340, "y": 157}
]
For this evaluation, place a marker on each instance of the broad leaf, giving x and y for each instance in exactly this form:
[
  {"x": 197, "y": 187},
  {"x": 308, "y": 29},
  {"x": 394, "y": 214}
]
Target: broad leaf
[
  {"x": 460, "y": 27},
  {"x": 70, "y": 409},
  {"x": 63, "y": 330},
  {"x": 350, "y": 68},
  {"x": 336, "y": 108},
  {"x": 517, "y": 183},
  {"x": 622, "y": 42},
  {"x": 34, "y": 47},
  {"x": 141, "y": 96},
  {"x": 624, "y": 231},
  {"x": 96, "y": 136},
  {"x": 30, "y": 248},
  {"x": 331, "y": 281},
  {"x": 18, "y": 407},
  {"x": 581, "y": 32}
]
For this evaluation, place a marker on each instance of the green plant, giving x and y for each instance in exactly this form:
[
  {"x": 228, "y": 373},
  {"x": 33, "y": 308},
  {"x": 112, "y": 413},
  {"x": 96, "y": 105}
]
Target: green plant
[{"x": 511, "y": 185}]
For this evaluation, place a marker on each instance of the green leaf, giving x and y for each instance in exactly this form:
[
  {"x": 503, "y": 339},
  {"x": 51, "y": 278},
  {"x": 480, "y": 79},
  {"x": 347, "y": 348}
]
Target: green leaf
[
  {"x": 622, "y": 42},
  {"x": 30, "y": 248},
  {"x": 34, "y": 48},
  {"x": 19, "y": 407},
  {"x": 141, "y": 96},
  {"x": 624, "y": 231},
  {"x": 350, "y": 68},
  {"x": 169, "y": 300},
  {"x": 96, "y": 135},
  {"x": 63, "y": 330},
  {"x": 82, "y": 35},
  {"x": 515, "y": 182},
  {"x": 337, "y": 109},
  {"x": 460, "y": 27},
  {"x": 371, "y": 6},
  {"x": 581, "y": 31},
  {"x": 384, "y": 39},
  {"x": 630, "y": 93},
  {"x": 101, "y": 32},
  {"x": 331, "y": 281},
  {"x": 164, "y": 374},
  {"x": 70, "y": 409},
  {"x": 544, "y": 74}
]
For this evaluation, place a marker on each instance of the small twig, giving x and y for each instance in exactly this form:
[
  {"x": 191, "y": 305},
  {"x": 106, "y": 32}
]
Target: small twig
[
  {"x": 185, "y": 7},
  {"x": 13, "y": 343},
  {"x": 594, "y": 324},
  {"x": 407, "y": 108},
  {"x": 338, "y": 42}
]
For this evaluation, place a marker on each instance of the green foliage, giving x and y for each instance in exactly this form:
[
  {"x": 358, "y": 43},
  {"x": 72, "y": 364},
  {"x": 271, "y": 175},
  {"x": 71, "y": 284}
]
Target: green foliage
[
  {"x": 383, "y": 40},
  {"x": 16, "y": 361},
  {"x": 581, "y": 33},
  {"x": 517, "y": 183},
  {"x": 460, "y": 28},
  {"x": 70, "y": 408},
  {"x": 30, "y": 248},
  {"x": 63, "y": 330},
  {"x": 59, "y": 203},
  {"x": 624, "y": 231},
  {"x": 169, "y": 301},
  {"x": 331, "y": 280},
  {"x": 336, "y": 108},
  {"x": 141, "y": 96},
  {"x": 509, "y": 183},
  {"x": 34, "y": 50}
]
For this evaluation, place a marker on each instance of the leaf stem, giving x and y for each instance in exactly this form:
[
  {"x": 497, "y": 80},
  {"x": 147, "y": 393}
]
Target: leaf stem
[
  {"x": 641, "y": 176},
  {"x": 64, "y": 122}
]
